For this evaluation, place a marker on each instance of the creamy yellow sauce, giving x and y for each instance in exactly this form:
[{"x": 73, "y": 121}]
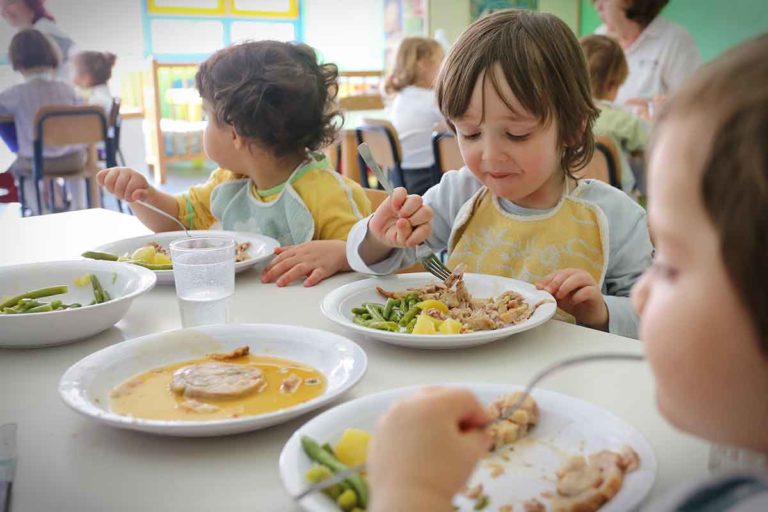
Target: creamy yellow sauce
[{"x": 149, "y": 394}]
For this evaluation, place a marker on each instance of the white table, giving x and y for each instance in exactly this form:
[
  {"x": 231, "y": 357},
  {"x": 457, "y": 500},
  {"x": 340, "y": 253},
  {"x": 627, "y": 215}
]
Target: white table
[{"x": 69, "y": 463}]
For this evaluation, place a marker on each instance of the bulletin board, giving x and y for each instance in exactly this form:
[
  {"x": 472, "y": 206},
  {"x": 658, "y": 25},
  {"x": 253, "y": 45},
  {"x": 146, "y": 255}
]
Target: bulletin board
[
  {"x": 479, "y": 8},
  {"x": 209, "y": 25}
]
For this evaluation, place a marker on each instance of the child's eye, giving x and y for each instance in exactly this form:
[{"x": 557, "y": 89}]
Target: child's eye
[
  {"x": 470, "y": 136},
  {"x": 512, "y": 136},
  {"x": 664, "y": 271}
]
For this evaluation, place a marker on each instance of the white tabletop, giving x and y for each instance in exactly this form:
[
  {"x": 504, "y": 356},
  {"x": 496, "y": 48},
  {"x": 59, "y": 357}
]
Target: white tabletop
[{"x": 68, "y": 463}]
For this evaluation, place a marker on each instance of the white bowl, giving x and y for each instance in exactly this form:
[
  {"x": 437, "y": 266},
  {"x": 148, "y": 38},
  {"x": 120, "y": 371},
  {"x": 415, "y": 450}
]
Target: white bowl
[
  {"x": 86, "y": 386},
  {"x": 337, "y": 306},
  {"x": 568, "y": 427},
  {"x": 262, "y": 247},
  {"x": 123, "y": 282}
]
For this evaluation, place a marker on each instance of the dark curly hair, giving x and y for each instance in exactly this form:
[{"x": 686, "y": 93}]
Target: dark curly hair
[
  {"x": 274, "y": 93},
  {"x": 643, "y": 12}
]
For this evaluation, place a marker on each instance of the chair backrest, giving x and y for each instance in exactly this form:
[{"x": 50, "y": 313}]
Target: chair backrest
[
  {"x": 114, "y": 113},
  {"x": 375, "y": 196},
  {"x": 605, "y": 164},
  {"x": 60, "y": 125},
  {"x": 445, "y": 148},
  {"x": 382, "y": 138}
]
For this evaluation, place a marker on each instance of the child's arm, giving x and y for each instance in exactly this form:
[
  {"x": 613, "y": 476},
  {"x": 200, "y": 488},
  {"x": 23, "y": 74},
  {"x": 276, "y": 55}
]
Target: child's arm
[
  {"x": 438, "y": 445},
  {"x": 130, "y": 185},
  {"x": 315, "y": 260}
]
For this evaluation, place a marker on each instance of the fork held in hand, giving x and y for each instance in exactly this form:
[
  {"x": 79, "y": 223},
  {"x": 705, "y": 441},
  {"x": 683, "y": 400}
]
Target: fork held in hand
[{"x": 426, "y": 257}]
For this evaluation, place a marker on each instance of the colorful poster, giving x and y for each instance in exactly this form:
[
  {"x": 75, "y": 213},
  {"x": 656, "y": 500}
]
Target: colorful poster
[
  {"x": 402, "y": 18},
  {"x": 479, "y": 8}
]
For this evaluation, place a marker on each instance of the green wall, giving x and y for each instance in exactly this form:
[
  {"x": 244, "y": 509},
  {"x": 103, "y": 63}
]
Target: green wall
[{"x": 716, "y": 25}]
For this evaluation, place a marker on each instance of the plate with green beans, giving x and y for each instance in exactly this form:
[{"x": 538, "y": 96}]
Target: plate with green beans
[
  {"x": 253, "y": 250},
  {"x": 414, "y": 319},
  {"x": 57, "y": 302}
]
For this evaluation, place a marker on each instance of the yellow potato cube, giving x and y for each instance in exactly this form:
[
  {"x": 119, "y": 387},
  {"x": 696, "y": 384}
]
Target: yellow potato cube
[
  {"x": 144, "y": 254},
  {"x": 425, "y": 324},
  {"x": 352, "y": 448},
  {"x": 162, "y": 259},
  {"x": 450, "y": 326},
  {"x": 433, "y": 304}
]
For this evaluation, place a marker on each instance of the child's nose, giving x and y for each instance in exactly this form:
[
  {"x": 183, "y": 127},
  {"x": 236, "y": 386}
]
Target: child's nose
[{"x": 492, "y": 150}]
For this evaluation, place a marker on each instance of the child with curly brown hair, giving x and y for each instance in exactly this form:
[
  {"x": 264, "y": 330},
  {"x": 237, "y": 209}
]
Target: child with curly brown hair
[
  {"x": 92, "y": 71},
  {"x": 270, "y": 106}
]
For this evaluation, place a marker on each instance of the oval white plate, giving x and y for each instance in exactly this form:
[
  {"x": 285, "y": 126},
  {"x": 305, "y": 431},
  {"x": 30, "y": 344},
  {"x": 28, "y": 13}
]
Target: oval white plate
[
  {"x": 568, "y": 427},
  {"x": 337, "y": 306},
  {"x": 123, "y": 282},
  {"x": 262, "y": 247},
  {"x": 86, "y": 386}
]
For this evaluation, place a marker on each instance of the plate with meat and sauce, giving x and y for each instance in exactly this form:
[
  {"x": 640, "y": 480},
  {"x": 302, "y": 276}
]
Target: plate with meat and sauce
[{"x": 213, "y": 380}]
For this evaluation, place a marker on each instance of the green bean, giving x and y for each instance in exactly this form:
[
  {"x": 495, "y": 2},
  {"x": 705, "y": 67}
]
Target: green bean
[
  {"x": 40, "y": 309},
  {"x": 410, "y": 315},
  {"x": 384, "y": 326},
  {"x": 315, "y": 452},
  {"x": 390, "y": 305},
  {"x": 98, "y": 291},
  {"x": 482, "y": 502},
  {"x": 359, "y": 320},
  {"x": 56, "y": 304},
  {"x": 358, "y": 311},
  {"x": 35, "y": 294},
  {"x": 152, "y": 266},
  {"x": 374, "y": 312},
  {"x": 107, "y": 296},
  {"x": 327, "y": 447},
  {"x": 74, "y": 305},
  {"x": 411, "y": 325},
  {"x": 95, "y": 255}
]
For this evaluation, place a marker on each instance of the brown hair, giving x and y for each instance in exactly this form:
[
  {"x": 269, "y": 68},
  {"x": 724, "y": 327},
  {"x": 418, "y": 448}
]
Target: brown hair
[
  {"x": 730, "y": 92},
  {"x": 31, "y": 49},
  {"x": 274, "y": 93},
  {"x": 97, "y": 65},
  {"x": 410, "y": 52},
  {"x": 606, "y": 64},
  {"x": 643, "y": 12},
  {"x": 544, "y": 66}
]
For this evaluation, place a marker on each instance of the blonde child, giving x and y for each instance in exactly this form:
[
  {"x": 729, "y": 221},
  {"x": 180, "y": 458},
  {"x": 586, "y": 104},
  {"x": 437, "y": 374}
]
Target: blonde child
[
  {"x": 35, "y": 56},
  {"x": 269, "y": 105},
  {"x": 704, "y": 306},
  {"x": 414, "y": 109},
  {"x": 514, "y": 87},
  {"x": 92, "y": 71},
  {"x": 607, "y": 71}
]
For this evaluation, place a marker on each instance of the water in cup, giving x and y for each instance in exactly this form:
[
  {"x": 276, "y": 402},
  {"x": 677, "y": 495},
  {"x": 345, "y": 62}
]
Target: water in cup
[{"x": 204, "y": 274}]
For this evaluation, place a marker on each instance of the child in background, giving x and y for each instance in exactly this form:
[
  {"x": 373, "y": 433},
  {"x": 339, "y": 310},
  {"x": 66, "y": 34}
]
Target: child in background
[
  {"x": 270, "y": 106},
  {"x": 34, "y": 56},
  {"x": 414, "y": 110},
  {"x": 607, "y": 71},
  {"x": 92, "y": 71},
  {"x": 523, "y": 116},
  {"x": 704, "y": 306}
]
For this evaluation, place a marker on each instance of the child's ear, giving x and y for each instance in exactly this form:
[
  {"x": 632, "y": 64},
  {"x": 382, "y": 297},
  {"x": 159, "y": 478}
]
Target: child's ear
[{"x": 237, "y": 140}]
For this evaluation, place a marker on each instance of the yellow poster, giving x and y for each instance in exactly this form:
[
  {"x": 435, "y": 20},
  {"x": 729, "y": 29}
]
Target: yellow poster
[{"x": 186, "y": 7}]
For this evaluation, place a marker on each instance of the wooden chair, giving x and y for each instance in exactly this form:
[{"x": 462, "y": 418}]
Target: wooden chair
[
  {"x": 446, "y": 151},
  {"x": 115, "y": 126},
  {"x": 382, "y": 138},
  {"x": 605, "y": 164},
  {"x": 58, "y": 125}
]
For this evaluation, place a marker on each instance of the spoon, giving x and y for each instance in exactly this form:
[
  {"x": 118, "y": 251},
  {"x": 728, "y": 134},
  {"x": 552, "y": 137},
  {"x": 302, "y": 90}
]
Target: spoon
[
  {"x": 164, "y": 214},
  {"x": 549, "y": 370}
]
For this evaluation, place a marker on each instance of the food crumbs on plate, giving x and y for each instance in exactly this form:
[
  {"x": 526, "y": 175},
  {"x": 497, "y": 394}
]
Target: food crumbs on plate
[
  {"x": 84, "y": 280},
  {"x": 506, "y": 508},
  {"x": 473, "y": 492},
  {"x": 495, "y": 468},
  {"x": 290, "y": 384},
  {"x": 482, "y": 502},
  {"x": 534, "y": 505},
  {"x": 312, "y": 381},
  {"x": 235, "y": 354}
]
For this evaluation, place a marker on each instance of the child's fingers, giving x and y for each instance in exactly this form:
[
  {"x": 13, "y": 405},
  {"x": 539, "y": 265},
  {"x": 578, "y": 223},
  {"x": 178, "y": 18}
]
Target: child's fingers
[
  {"x": 410, "y": 206},
  {"x": 296, "y": 272},
  {"x": 418, "y": 235},
  {"x": 555, "y": 281},
  {"x": 397, "y": 199},
  {"x": 102, "y": 175},
  {"x": 422, "y": 216},
  {"x": 280, "y": 250},
  {"x": 572, "y": 283},
  {"x": 121, "y": 184},
  {"x": 316, "y": 276},
  {"x": 586, "y": 294},
  {"x": 109, "y": 179},
  {"x": 403, "y": 231},
  {"x": 277, "y": 268},
  {"x": 138, "y": 195},
  {"x": 135, "y": 183}
]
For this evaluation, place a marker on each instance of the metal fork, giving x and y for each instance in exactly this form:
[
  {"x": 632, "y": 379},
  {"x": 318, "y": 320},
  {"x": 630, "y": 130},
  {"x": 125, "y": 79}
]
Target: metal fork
[
  {"x": 426, "y": 257},
  {"x": 508, "y": 412}
]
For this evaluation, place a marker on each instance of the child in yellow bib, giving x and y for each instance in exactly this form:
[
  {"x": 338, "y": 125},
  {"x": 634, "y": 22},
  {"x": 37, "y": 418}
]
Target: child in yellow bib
[
  {"x": 270, "y": 105},
  {"x": 523, "y": 116}
]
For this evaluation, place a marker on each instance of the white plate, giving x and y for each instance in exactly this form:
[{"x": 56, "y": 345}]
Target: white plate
[
  {"x": 337, "y": 306},
  {"x": 86, "y": 386},
  {"x": 262, "y": 247},
  {"x": 568, "y": 427},
  {"x": 123, "y": 282}
]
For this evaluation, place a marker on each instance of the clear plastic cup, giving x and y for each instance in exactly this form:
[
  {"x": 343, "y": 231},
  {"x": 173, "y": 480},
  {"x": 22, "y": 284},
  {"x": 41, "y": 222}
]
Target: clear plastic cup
[{"x": 204, "y": 274}]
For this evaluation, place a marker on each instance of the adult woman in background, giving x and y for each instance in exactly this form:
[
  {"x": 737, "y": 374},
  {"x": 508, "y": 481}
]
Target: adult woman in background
[
  {"x": 661, "y": 54},
  {"x": 22, "y": 14}
]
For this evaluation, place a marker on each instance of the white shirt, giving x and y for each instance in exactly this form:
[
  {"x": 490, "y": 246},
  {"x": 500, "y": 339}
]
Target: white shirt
[
  {"x": 414, "y": 115},
  {"x": 99, "y": 96},
  {"x": 660, "y": 59}
]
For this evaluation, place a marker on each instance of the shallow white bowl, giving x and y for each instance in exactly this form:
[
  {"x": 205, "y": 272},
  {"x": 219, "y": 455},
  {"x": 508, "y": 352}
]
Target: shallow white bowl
[
  {"x": 86, "y": 386},
  {"x": 262, "y": 247},
  {"x": 337, "y": 306},
  {"x": 123, "y": 282},
  {"x": 568, "y": 427}
]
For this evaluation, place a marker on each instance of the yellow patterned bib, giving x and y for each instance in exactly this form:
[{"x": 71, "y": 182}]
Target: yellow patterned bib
[{"x": 490, "y": 240}]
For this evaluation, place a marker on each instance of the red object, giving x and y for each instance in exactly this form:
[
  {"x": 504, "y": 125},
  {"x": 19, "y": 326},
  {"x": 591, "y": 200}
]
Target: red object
[{"x": 8, "y": 191}]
